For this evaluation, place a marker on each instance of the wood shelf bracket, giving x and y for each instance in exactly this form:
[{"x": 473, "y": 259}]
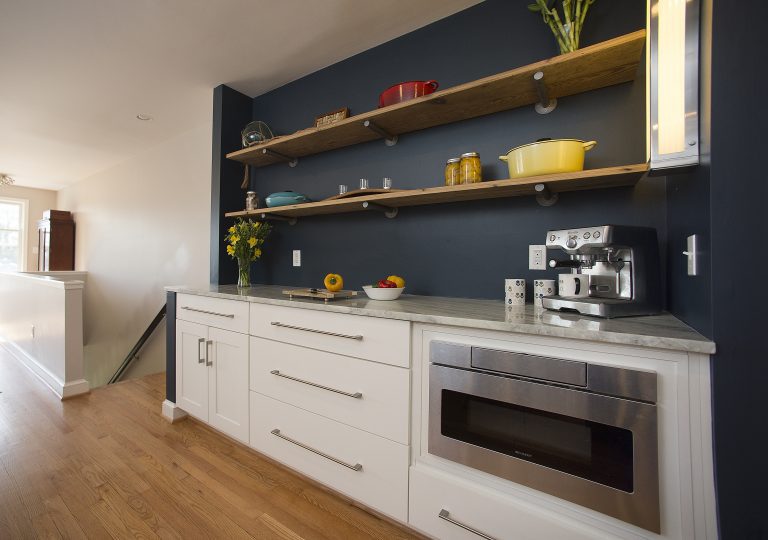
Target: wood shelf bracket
[
  {"x": 389, "y": 212},
  {"x": 292, "y": 161},
  {"x": 389, "y": 139},
  {"x": 275, "y": 217},
  {"x": 544, "y": 196},
  {"x": 545, "y": 104}
]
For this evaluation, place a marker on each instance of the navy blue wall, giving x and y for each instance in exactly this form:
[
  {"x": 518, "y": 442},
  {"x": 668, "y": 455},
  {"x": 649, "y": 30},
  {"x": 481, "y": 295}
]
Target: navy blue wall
[
  {"x": 462, "y": 249},
  {"x": 739, "y": 191},
  {"x": 231, "y": 112}
]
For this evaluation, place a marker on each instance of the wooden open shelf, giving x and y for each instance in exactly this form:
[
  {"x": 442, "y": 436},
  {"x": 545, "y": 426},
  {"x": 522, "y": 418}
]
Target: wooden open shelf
[
  {"x": 605, "y": 64},
  {"x": 627, "y": 175}
]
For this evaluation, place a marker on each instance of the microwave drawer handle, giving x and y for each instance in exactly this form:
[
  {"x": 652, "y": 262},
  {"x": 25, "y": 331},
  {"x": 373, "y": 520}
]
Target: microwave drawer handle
[
  {"x": 325, "y": 333},
  {"x": 356, "y": 395},
  {"x": 355, "y": 467},
  {"x": 229, "y": 315},
  {"x": 444, "y": 514}
]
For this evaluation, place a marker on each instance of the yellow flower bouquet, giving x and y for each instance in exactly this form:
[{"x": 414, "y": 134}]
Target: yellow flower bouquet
[{"x": 244, "y": 240}]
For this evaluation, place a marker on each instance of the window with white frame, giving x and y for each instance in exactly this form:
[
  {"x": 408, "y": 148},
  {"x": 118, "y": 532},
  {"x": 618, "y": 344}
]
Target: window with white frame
[{"x": 13, "y": 218}]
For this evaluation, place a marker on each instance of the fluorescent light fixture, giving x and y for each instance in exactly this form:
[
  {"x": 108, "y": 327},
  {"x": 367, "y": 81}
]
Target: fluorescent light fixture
[{"x": 673, "y": 67}]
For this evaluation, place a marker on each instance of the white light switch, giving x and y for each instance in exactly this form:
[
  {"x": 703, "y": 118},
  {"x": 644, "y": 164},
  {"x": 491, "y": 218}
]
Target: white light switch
[
  {"x": 296, "y": 257},
  {"x": 692, "y": 254}
]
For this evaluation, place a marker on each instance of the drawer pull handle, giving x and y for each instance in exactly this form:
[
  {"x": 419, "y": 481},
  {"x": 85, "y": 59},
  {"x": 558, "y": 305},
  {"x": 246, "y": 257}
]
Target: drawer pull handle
[
  {"x": 208, "y": 343},
  {"x": 356, "y": 395},
  {"x": 281, "y": 325},
  {"x": 355, "y": 467},
  {"x": 200, "y": 358},
  {"x": 444, "y": 514},
  {"x": 229, "y": 315}
]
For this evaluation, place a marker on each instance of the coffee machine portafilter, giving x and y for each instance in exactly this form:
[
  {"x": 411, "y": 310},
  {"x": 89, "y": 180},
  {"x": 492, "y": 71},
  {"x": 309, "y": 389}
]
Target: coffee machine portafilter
[{"x": 621, "y": 264}]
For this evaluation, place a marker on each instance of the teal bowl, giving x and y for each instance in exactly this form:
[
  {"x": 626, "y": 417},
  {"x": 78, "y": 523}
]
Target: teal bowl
[{"x": 284, "y": 198}]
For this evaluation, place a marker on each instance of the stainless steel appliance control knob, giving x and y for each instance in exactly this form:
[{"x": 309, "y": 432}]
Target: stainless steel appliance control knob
[
  {"x": 571, "y": 243},
  {"x": 552, "y": 238}
]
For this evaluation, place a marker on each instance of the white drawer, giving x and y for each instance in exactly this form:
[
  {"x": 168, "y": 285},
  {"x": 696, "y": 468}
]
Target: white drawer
[
  {"x": 363, "y": 394},
  {"x": 382, "y": 479},
  {"x": 490, "y": 513},
  {"x": 216, "y": 312},
  {"x": 381, "y": 340}
]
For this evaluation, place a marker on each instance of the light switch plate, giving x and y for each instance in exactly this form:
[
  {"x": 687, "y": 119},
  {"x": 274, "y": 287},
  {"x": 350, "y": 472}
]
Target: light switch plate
[
  {"x": 296, "y": 257},
  {"x": 692, "y": 254}
]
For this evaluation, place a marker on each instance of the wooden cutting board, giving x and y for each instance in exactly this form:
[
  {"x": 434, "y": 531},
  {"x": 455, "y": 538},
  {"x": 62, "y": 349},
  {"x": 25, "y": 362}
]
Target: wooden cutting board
[{"x": 322, "y": 294}]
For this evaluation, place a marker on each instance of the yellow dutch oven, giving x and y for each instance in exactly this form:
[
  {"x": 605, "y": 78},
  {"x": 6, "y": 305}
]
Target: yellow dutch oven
[{"x": 547, "y": 156}]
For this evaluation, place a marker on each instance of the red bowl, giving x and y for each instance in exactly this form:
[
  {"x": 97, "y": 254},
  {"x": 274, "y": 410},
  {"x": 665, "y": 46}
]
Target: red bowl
[{"x": 405, "y": 91}]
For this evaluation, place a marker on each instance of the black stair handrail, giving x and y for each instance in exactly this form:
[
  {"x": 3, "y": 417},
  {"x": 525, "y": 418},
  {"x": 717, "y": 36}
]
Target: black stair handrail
[{"x": 139, "y": 344}]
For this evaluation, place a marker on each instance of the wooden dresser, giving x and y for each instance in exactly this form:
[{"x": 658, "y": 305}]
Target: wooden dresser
[{"x": 56, "y": 241}]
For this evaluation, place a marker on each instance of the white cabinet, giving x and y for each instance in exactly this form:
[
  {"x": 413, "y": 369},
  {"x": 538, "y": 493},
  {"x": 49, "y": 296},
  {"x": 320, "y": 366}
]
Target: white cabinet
[
  {"x": 366, "y": 467},
  {"x": 212, "y": 376},
  {"x": 382, "y": 340},
  {"x": 448, "y": 508},
  {"x": 367, "y": 395}
]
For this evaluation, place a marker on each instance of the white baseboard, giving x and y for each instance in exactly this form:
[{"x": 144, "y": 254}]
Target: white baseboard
[
  {"x": 172, "y": 412},
  {"x": 59, "y": 387}
]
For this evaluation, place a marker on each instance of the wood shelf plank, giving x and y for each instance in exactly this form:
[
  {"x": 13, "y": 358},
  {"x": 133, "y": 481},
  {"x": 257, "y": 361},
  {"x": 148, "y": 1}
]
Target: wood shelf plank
[
  {"x": 627, "y": 175},
  {"x": 605, "y": 64}
]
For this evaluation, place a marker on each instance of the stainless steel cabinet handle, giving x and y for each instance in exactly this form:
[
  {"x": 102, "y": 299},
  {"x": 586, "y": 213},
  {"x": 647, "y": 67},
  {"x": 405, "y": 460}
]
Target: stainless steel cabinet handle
[
  {"x": 229, "y": 315},
  {"x": 207, "y": 361},
  {"x": 200, "y": 359},
  {"x": 444, "y": 514},
  {"x": 281, "y": 325},
  {"x": 356, "y": 395},
  {"x": 355, "y": 467}
]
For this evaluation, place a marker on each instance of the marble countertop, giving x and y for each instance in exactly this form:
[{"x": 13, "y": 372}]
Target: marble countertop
[{"x": 656, "y": 331}]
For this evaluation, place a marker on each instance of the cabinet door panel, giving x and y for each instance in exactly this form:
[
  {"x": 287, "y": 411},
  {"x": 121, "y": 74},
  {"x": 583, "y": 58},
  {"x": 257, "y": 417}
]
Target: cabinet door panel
[
  {"x": 228, "y": 382},
  {"x": 191, "y": 372}
]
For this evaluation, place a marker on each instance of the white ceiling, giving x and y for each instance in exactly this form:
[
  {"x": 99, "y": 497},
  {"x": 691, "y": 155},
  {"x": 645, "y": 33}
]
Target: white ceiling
[{"x": 74, "y": 74}]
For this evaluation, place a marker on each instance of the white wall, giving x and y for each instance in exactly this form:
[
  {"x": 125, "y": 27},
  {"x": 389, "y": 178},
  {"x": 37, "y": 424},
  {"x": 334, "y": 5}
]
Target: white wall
[
  {"x": 141, "y": 225},
  {"x": 39, "y": 200},
  {"x": 41, "y": 323}
]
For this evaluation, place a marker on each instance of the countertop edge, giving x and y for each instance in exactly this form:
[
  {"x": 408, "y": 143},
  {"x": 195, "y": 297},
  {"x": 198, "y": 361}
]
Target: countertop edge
[{"x": 702, "y": 346}]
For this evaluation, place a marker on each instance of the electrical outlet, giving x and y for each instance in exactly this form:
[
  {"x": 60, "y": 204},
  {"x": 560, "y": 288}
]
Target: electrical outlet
[
  {"x": 296, "y": 257},
  {"x": 537, "y": 257}
]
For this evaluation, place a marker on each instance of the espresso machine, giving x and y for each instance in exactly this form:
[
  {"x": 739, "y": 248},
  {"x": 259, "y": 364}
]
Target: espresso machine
[{"x": 621, "y": 267}]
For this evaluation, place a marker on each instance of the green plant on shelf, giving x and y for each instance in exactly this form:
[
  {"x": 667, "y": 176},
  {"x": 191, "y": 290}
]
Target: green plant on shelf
[{"x": 566, "y": 28}]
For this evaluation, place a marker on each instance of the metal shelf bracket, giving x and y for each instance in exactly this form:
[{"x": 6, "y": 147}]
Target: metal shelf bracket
[
  {"x": 275, "y": 217},
  {"x": 545, "y": 104},
  {"x": 544, "y": 196},
  {"x": 292, "y": 161},
  {"x": 389, "y": 212},
  {"x": 389, "y": 139}
]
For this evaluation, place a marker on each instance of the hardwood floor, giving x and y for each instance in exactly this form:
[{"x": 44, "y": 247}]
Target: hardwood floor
[{"x": 108, "y": 465}]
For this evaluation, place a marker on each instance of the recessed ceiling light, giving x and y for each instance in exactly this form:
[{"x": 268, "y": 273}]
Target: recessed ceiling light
[{"x": 144, "y": 117}]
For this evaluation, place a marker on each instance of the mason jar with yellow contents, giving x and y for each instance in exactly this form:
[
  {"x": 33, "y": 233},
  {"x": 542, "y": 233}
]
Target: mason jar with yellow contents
[
  {"x": 452, "y": 172},
  {"x": 470, "y": 170}
]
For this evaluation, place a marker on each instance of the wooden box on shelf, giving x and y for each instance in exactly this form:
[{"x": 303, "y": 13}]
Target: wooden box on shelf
[{"x": 56, "y": 241}]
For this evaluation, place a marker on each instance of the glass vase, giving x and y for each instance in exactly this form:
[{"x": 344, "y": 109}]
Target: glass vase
[{"x": 243, "y": 273}]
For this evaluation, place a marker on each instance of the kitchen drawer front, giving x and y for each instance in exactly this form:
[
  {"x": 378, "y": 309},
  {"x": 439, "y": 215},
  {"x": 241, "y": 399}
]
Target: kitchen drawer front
[
  {"x": 217, "y": 312},
  {"x": 382, "y": 479},
  {"x": 366, "y": 395},
  {"x": 492, "y": 514},
  {"x": 381, "y": 340}
]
